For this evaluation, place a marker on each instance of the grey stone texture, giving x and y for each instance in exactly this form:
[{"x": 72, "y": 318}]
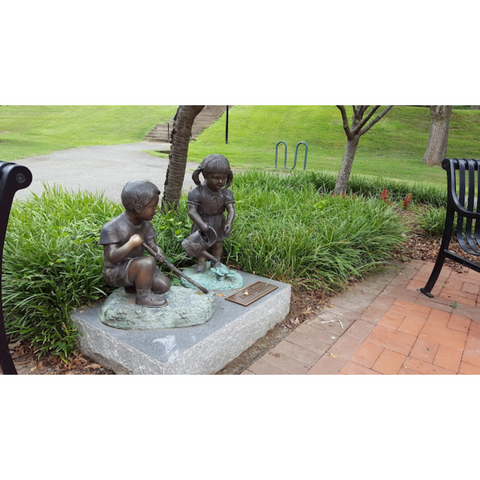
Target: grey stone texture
[{"x": 202, "y": 349}]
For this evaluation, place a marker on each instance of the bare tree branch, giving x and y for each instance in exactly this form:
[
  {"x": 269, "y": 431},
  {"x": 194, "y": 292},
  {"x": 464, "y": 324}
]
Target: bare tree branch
[
  {"x": 363, "y": 109},
  {"x": 367, "y": 118},
  {"x": 358, "y": 112},
  {"x": 373, "y": 122},
  {"x": 353, "y": 137},
  {"x": 345, "y": 120}
]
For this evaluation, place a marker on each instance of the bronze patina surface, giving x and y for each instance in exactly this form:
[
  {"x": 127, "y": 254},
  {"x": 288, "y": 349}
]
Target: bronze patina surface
[{"x": 251, "y": 294}]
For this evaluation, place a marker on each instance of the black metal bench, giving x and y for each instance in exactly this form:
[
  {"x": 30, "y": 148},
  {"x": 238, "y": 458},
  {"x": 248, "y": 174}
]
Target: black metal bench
[
  {"x": 13, "y": 177},
  {"x": 463, "y": 180}
]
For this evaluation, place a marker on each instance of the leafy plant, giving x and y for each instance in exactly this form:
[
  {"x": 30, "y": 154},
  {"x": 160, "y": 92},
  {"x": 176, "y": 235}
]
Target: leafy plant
[
  {"x": 384, "y": 196},
  {"x": 367, "y": 186},
  {"x": 432, "y": 221},
  {"x": 173, "y": 227},
  {"x": 284, "y": 230},
  {"x": 406, "y": 201},
  {"x": 52, "y": 264}
]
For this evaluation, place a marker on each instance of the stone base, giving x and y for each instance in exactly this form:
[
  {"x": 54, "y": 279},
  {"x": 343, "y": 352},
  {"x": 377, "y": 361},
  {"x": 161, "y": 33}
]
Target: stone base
[
  {"x": 211, "y": 280},
  {"x": 185, "y": 308},
  {"x": 202, "y": 349}
]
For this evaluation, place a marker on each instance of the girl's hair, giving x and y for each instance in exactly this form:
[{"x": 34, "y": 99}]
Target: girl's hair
[
  {"x": 214, "y": 163},
  {"x": 138, "y": 192}
]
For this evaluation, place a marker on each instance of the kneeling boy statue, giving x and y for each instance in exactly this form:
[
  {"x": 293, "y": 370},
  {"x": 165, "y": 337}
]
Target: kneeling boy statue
[{"x": 123, "y": 238}]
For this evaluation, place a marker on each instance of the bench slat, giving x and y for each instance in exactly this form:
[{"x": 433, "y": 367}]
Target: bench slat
[{"x": 464, "y": 203}]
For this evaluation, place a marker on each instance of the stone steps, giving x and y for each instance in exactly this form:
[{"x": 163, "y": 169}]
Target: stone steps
[{"x": 209, "y": 114}]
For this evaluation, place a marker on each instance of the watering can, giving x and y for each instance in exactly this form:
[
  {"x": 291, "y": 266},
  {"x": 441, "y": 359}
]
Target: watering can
[{"x": 197, "y": 244}]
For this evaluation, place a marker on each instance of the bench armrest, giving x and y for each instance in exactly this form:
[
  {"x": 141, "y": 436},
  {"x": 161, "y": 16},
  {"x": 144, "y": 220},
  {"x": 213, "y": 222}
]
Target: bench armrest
[{"x": 461, "y": 210}]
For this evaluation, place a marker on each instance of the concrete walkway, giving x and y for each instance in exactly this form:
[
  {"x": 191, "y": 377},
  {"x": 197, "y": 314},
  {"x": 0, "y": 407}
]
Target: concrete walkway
[
  {"x": 100, "y": 168},
  {"x": 385, "y": 325}
]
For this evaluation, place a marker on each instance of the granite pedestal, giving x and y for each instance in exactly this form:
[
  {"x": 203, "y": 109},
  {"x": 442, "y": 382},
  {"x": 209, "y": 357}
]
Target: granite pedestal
[{"x": 201, "y": 349}]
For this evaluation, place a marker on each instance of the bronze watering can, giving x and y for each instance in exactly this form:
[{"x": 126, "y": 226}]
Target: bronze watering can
[{"x": 197, "y": 243}]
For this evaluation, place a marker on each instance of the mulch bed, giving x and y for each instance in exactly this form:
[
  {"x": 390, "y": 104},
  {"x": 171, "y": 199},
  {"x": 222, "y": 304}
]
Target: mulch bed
[{"x": 27, "y": 363}]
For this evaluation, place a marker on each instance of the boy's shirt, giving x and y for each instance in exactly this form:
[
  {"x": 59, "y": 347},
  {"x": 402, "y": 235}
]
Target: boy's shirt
[{"x": 120, "y": 229}]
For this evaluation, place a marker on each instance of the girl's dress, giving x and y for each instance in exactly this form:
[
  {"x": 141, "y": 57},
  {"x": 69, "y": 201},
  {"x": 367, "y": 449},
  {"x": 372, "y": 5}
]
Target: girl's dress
[{"x": 211, "y": 207}]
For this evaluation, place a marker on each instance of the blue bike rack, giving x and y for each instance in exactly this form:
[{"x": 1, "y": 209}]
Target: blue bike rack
[
  {"x": 13, "y": 177},
  {"x": 296, "y": 153}
]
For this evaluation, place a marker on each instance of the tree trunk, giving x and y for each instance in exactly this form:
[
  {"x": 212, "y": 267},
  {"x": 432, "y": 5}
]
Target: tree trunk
[
  {"x": 438, "y": 137},
  {"x": 360, "y": 126},
  {"x": 177, "y": 159},
  {"x": 346, "y": 165}
]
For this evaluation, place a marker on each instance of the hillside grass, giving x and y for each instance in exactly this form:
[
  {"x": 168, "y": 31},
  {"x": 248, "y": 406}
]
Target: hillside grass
[
  {"x": 39, "y": 130},
  {"x": 393, "y": 148}
]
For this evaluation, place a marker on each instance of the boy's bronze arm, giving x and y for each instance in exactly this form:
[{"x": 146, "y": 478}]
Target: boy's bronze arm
[{"x": 176, "y": 270}]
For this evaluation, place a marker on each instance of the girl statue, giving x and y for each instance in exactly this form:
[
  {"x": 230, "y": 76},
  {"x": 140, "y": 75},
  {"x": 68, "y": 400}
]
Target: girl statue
[{"x": 209, "y": 200}]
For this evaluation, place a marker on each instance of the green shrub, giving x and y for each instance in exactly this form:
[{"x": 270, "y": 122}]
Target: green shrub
[
  {"x": 172, "y": 228},
  {"x": 368, "y": 186},
  {"x": 432, "y": 221},
  {"x": 284, "y": 229},
  {"x": 52, "y": 264}
]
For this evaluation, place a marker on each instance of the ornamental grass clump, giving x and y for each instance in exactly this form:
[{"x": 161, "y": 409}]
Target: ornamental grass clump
[
  {"x": 284, "y": 229},
  {"x": 289, "y": 232},
  {"x": 432, "y": 221},
  {"x": 364, "y": 185},
  {"x": 51, "y": 265}
]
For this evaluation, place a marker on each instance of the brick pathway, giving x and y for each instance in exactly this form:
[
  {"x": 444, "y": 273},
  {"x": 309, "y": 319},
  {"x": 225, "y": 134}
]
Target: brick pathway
[{"x": 384, "y": 325}]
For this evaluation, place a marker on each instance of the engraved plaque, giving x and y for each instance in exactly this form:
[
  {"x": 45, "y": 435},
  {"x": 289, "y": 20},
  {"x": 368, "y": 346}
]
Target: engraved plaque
[{"x": 252, "y": 293}]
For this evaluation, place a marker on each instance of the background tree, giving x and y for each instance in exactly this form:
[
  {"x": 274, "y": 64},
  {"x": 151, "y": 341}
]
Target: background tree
[
  {"x": 177, "y": 159},
  {"x": 438, "y": 137},
  {"x": 358, "y": 128}
]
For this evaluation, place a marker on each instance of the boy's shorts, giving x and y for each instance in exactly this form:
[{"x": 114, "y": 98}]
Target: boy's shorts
[{"x": 118, "y": 275}]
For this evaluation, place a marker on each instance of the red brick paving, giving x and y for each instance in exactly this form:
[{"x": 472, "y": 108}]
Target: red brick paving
[
  {"x": 398, "y": 332},
  {"x": 351, "y": 368},
  {"x": 389, "y": 362},
  {"x": 366, "y": 354}
]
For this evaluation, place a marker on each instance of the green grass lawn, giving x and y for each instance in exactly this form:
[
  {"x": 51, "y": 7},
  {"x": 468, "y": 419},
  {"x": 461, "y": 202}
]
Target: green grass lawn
[
  {"x": 393, "y": 148},
  {"x": 38, "y": 130}
]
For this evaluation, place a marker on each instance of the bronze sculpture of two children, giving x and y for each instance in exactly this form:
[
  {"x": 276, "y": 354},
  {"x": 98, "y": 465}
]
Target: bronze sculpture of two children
[{"x": 123, "y": 237}]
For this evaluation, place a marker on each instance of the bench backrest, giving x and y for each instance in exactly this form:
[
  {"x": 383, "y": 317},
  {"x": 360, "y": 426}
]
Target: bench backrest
[
  {"x": 13, "y": 177},
  {"x": 463, "y": 177}
]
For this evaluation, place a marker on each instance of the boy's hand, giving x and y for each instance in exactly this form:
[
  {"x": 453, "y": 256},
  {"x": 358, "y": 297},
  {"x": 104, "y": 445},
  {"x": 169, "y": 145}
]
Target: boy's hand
[
  {"x": 204, "y": 227},
  {"x": 228, "y": 228},
  {"x": 160, "y": 256},
  {"x": 136, "y": 240}
]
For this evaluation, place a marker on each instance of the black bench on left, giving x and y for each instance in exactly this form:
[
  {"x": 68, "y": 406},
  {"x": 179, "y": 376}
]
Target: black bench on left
[{"x": 13, "y": 177}]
